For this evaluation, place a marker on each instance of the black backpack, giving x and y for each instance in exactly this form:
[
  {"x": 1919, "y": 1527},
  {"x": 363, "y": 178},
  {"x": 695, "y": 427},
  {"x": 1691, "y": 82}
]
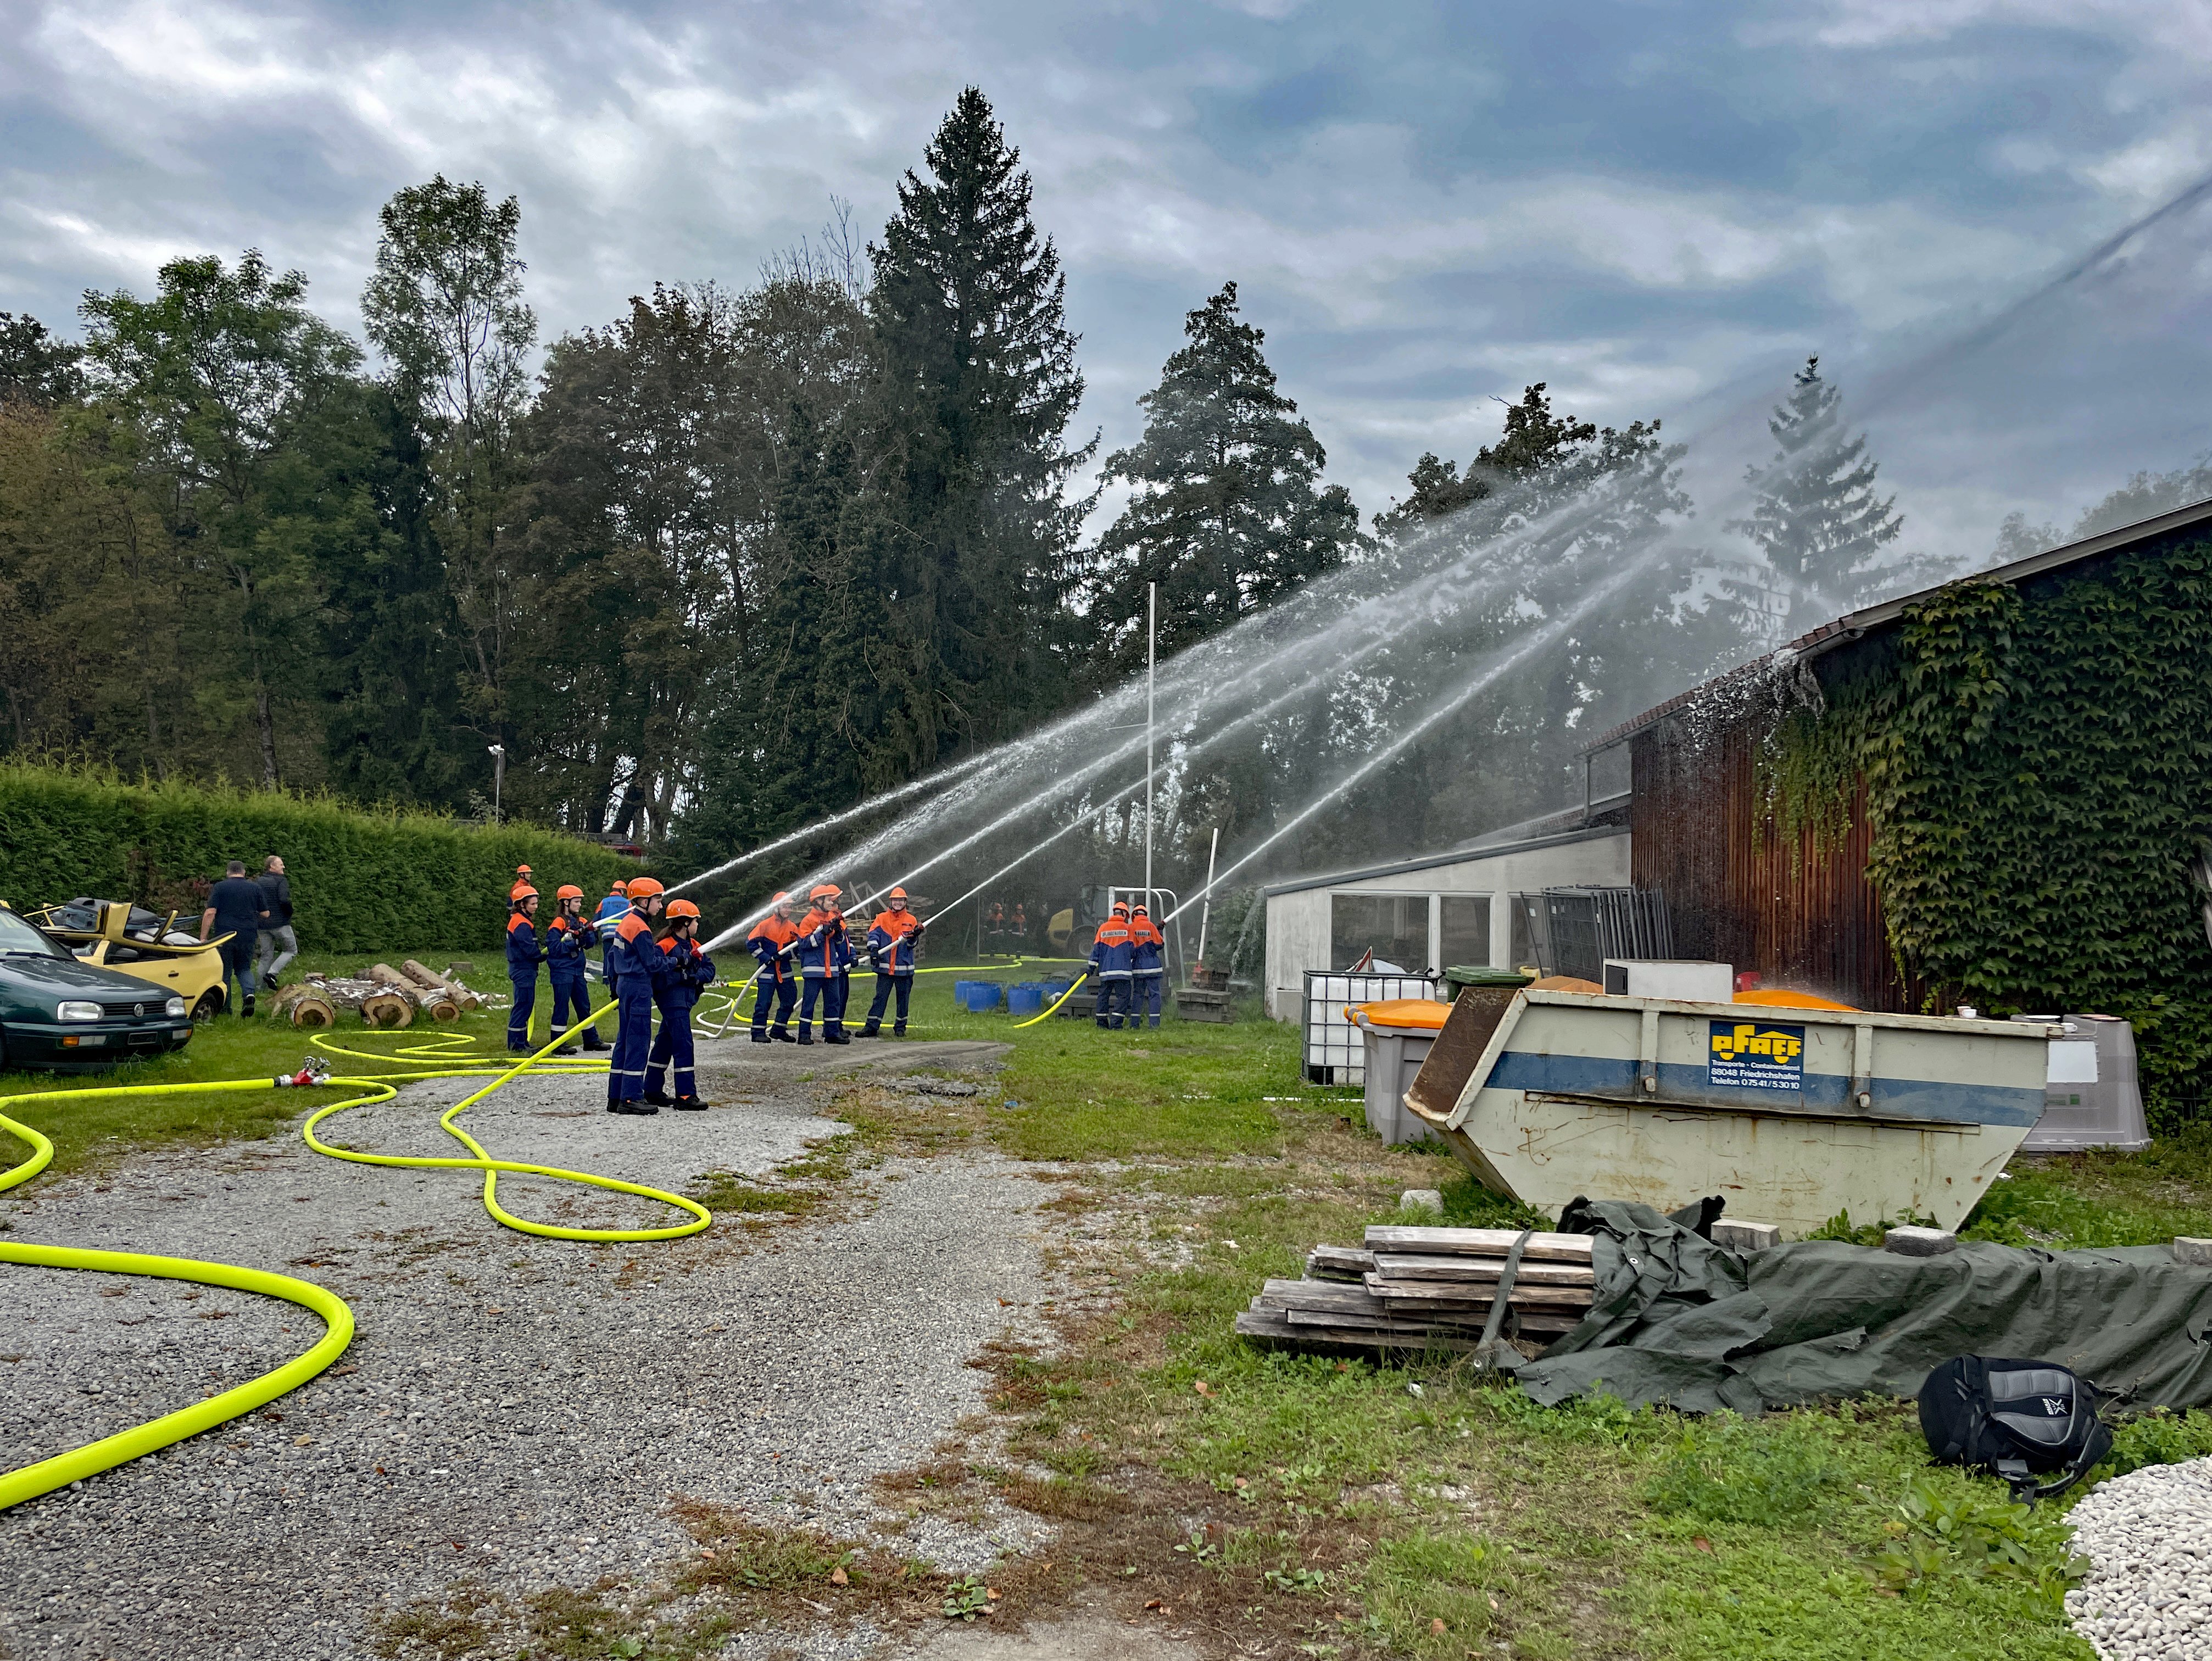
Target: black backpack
[{"x": 2015, "y": 1419}]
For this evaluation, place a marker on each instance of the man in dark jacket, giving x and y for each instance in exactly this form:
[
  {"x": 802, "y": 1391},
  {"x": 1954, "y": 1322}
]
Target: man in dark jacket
[
  {"x": 278, "y": 944},
  {"x": 237, "y": 908}
]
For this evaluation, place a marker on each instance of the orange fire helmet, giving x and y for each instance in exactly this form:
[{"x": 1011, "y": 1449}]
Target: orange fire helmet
[
  {"x": 567, "y": 890},
  {"x": 644, "y": 888},
  {"x": 896, "y": 894},
  {"x": 681, "y": 909},
  {"x": 826, "y": 891}
]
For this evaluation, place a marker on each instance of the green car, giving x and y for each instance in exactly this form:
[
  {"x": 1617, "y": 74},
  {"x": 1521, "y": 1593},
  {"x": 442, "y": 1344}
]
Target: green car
[{"x": 55, "y": 1012}]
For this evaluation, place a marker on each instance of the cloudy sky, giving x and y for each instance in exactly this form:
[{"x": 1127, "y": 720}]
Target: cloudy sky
[{"x": 1660, "y": 209}]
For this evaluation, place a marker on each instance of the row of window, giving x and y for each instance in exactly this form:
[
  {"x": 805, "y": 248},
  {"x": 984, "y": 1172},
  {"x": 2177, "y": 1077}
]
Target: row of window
[{"x": 1398, "y": 929}]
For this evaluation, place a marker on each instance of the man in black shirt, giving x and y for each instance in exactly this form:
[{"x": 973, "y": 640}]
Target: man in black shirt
[
  {"x": 279, "y": 944},
  {"x": 236, "y": 907}
]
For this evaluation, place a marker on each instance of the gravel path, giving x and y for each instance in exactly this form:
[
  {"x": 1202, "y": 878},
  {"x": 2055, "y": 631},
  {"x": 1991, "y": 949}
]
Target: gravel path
[
  {"x": 514, "y": 1410},
  {"x": 2149, "y": 1534}
]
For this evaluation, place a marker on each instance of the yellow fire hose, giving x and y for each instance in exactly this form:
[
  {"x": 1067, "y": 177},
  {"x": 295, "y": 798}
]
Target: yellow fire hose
[{"x": 433, "y": 1058}]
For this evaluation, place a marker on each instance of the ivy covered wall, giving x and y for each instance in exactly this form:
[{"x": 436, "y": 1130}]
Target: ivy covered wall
[{"x": 2037, "y": 772}]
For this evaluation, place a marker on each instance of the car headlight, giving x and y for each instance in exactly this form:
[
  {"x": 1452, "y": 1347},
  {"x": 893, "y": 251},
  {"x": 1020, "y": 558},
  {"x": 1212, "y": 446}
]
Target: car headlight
[
  {"x": 74, "y": 1010},
  {"x": 175, "y": 1007}
]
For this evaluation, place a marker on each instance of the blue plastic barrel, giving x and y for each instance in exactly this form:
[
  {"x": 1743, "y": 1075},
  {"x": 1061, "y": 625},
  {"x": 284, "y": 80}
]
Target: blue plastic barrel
[
  {"x": 1025, "y": 1000},
  {"x": 980, "y": 995}
]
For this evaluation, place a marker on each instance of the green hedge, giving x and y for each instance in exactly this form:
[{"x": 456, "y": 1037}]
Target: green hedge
[{"x": 361, "y": 880}]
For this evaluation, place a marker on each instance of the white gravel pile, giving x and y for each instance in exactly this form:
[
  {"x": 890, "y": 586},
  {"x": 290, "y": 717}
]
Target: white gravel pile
[{"x": 2149, "y": 1534}]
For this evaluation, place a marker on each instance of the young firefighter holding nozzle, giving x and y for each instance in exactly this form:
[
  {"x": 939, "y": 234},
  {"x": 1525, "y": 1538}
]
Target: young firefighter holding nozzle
[
  {"x": 631, "y": 954},
  {"x": 523, "y": 957},
  {"x": 682, "y": 974},
  {"x": 1113, "y": 959},
  {"x": 569, "y": 938},
  {"x": 825, "y": 957},
  {"x": 771, "y": 942},
  {"x": 1147, "y": 967},
  {"x": 891, "y": 942}
]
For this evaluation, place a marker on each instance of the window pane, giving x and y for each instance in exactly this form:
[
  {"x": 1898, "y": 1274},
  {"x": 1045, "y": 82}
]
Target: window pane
[
  {"x": 1466, "y": 941},
  {"x": 1394, "y": 927}
]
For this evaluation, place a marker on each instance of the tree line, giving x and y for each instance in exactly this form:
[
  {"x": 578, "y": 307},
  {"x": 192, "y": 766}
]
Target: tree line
[{"x": 738, "y": 556}]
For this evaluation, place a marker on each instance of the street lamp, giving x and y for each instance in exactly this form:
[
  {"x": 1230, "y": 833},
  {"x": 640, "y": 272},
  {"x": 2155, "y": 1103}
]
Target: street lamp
[{"x": 498, "y": 753}]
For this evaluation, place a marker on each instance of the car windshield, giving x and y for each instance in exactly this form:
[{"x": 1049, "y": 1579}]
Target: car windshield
[{"x": 19, "y": 940}]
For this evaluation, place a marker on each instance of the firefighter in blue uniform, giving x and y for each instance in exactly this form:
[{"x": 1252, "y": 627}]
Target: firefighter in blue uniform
[
  {"x": 1148, "y": 967},
  {"x": 683, "y": 973},
  {"x": 891, "y": 942},
  {"x": 568, "y": 942},
  {"x": 1113, "y": 958},
  {"x": 523, "y": 957},
  {"x": 772, "y": 942},
  {"x": 825, "y": 956},
  {"x": 630, "y": 956}
]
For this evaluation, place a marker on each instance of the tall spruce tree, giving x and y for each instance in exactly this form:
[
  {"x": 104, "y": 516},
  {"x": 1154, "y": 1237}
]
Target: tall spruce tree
[
  {"x": 1228, "y": 513},
  {"x": 1814, "y": 513},
  {"x": 980, "y": 382}
]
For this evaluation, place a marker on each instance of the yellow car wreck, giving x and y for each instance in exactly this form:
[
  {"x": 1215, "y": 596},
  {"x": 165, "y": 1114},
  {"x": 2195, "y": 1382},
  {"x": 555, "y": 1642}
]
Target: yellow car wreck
[{"x": 134, "y": 941}]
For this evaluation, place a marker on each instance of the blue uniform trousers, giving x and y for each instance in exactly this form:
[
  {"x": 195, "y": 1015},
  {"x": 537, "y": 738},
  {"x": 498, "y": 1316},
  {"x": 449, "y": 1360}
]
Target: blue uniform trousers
[
  {"x": 830, "y": 989},
  {"x": 884, "y": 985},
  {"x": 1146, "y": 996},
  {"x": 633, "y": 1038},
  {"x": 783, "y": 993},
  {"x": 572, "y": 999},
  {"x": 1113, "y": 999},
  {"x": 672, "y": 1043},
  {"x": 518, "y": 1019}
]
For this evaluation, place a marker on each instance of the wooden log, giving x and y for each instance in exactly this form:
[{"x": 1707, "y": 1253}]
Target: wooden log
[
  {"x": 312, "y": 1009},
  {"x": 422, "y": 975},
  {"x": 387, "y": 1009},
  {"x": 1479, "y": 1243},
  {"x": 440, "y": 1007}
]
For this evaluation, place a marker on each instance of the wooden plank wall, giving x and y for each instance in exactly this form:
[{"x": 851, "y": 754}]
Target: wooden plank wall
[{"x": 1805, "y": 920}]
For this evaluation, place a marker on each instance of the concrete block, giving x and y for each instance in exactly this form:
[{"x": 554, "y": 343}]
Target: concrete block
[
  {"x": 2197, "y": 1253},
  {"x": 1909, "y": 1242},
  {"x": 1740, "y": 1236},
  {"x": 1423, "y": 1199}
]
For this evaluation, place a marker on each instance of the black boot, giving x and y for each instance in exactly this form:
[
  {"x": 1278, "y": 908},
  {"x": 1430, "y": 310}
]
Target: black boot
[
  {"x": 689, "y": 1105},
  {"x": 828, "y": 1037},
  {"x": 567, "y": 1050},
  {"x": 781, "y": 1035},
  {"x": 762, "y": 1037},
  {"x": 805, "y": 1037},
  {"x": 247, "y": 1007},
  {"x": 899, "y": 1031},
  {"x": 593, "y": 1041},
  {"x": 870, "y": 1030},
  {"x": 657, "y": 1098}
]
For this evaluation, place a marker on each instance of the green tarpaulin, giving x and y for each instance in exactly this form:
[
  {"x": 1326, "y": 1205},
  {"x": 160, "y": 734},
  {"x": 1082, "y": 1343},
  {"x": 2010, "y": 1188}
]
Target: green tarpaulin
[{"x": 1680, "y": 1321}]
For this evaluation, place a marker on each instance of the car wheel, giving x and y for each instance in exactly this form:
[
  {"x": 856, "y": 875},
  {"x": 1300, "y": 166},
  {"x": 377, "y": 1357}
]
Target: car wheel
[{"x": 210, "y": 1006}]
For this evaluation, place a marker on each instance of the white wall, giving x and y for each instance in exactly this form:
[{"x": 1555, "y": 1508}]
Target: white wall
[{"x": 1298, "y": 922}]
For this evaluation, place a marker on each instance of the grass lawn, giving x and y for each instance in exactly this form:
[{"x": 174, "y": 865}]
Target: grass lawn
[{"x": 1283, "y": 1505}]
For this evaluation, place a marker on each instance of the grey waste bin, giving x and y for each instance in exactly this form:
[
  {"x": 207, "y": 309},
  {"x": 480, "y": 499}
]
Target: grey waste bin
[{"x": 1393, "y": 1055}]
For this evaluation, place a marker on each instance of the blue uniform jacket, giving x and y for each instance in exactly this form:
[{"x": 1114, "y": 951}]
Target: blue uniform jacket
[
  {"x": 683, "y": 973},
  {"x": 824, "y": 948},
  {"x": 891, "y": 947},
  {"x": 567, "y": 940},
  {"x": 1145, "y": 953},
  {"x": 523, "y": 956},
  {"x": 628, "y": 943},
  {"x": 1113, "y": 953}
]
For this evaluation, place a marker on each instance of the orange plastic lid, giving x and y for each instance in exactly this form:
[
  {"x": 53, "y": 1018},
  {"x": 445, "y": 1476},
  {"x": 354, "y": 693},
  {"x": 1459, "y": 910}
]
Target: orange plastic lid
[
  {"x": 1776, "y": 998},
  {"x": 1420, "y": 1014}
]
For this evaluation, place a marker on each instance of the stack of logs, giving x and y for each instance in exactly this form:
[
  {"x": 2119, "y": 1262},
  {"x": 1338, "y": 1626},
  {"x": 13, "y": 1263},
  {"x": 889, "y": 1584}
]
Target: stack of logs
[
  {"x": 384, "y": 996},
  {"x": 1426, "y": 1288}
]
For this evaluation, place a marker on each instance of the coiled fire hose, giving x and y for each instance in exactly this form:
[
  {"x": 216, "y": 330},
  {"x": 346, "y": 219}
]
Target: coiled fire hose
[{"x": 435, "y": 1059}]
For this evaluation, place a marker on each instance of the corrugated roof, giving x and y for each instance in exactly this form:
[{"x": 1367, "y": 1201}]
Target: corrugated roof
[
  {"x": 1468, "y": 855},
  {"x": 1854, "y": 625}
]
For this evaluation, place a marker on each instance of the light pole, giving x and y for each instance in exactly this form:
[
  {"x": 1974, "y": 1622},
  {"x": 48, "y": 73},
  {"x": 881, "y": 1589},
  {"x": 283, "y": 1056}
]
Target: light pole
[{"x": 498, "y": 753}]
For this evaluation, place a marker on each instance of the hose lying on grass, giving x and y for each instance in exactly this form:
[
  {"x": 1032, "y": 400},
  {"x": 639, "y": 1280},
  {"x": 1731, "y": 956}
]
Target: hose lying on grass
[{"x": 443, "y": 1056}]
